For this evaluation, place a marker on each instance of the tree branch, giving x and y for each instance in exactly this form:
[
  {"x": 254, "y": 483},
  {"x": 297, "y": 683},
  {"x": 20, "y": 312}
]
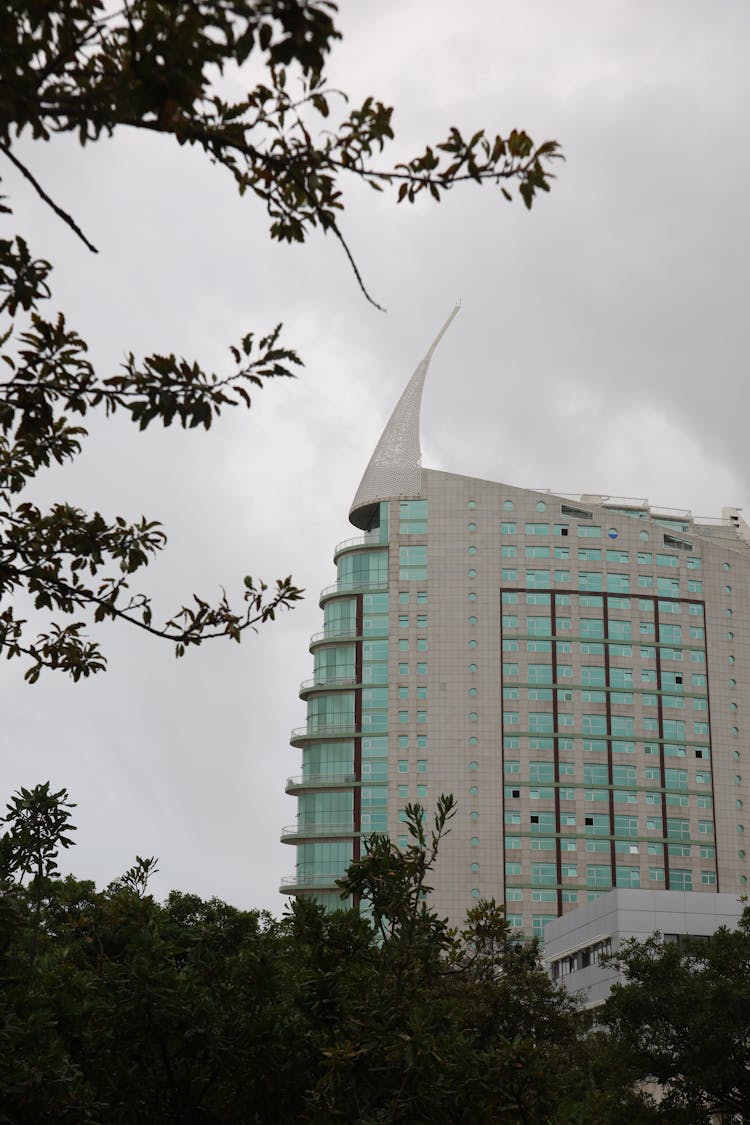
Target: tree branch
[{"x": 66, "y": 218}]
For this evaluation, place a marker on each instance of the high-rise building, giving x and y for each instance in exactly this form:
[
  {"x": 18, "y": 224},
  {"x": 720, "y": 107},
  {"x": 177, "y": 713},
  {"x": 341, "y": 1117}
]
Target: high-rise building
[{"x": 574, "y": 670}]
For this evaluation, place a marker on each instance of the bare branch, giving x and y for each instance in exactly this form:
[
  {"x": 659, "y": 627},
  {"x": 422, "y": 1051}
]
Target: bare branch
[{"x": 66, "y": 218}]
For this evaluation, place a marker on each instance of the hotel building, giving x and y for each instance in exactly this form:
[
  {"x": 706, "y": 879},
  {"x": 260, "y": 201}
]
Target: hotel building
[{"x": 574, "y": 670}]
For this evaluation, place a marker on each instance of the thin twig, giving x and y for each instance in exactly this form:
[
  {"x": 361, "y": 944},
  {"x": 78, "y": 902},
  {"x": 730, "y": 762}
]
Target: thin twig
[
  {"x": 333, "y": 226},
  {"x": 66, "y": 218}
]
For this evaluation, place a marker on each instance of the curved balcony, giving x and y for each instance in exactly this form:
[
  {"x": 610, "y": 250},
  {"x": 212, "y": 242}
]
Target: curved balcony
[
  {"x": 303, "y": 734},
  {"x": 348, "y": 633},
  {"x": 320, "y": 781},
  {"x": 370, "y": 539},
  {"x": 338, "y": 683},
  {"x": 351, "y": 588},
  {"x": 293, "y": 833},
  {"x": 290, "y": 884}
]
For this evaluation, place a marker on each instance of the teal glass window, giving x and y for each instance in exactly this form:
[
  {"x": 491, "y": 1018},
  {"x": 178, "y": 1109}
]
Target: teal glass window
[
  {"x": 412, "y": 563},
  {"x": 507, "y": 529},
  {"x": 412, "y": 517},
  {"x": 339, "y": 617},
  {"x": 363, "y": 569},
  {"x": 598, "y": 875}
]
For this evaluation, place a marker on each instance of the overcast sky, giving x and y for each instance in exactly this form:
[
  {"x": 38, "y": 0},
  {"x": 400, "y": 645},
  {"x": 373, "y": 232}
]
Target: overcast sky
[{"x": 603, "y": 340}]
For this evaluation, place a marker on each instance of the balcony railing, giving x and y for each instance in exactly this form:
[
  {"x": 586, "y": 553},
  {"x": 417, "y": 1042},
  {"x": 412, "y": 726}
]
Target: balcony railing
[
  {"x": 320, "y": 780},
  {"x": 352, "y": 588},
  {"x": 321, "y": 682},
  {"x": 303, "y": 831},
  {"x": 371, "y": 539},
  {"x": 347, "y": 632},
  {"x": 305, "y": 880},
  {"x": 323, "y": 731}
]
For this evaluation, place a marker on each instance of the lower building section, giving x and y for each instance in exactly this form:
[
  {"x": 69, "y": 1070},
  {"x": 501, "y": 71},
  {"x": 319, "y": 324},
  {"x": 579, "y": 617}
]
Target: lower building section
[{"x": 575, "y": 944}]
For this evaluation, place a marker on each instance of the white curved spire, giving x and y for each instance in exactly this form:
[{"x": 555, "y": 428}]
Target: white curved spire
[{"x": 395, "y": 466}]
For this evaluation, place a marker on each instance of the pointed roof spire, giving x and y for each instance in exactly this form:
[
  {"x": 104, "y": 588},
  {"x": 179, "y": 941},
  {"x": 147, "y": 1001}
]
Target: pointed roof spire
[{"x": 395, "y": 466}]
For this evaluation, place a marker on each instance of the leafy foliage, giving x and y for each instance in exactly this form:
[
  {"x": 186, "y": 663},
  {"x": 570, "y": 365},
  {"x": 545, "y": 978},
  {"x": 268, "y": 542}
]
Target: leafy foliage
[
  {"x": 195, "y": 1011},
  {"x": 682, "y": 1019},
  {"x": 88, "y": 68}
]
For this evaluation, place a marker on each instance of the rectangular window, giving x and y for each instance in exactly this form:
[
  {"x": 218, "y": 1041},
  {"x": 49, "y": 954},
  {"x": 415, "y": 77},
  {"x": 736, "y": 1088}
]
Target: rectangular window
[
  {"x": 544, "y": 874},
  {"x": 541, "y": 771},
  {"x": 507, "y": 529},
  {"x": 598, "y": 875},
  {"x": 596, "y": 824},
  {"x": 667, "y": 560},
  {"x": 592, "y": 627},
  {"x": 412, "y": 517},
  {"x": 587, "y": 531},
  {"x": 537, "y": 552},
  {"x": 680, "y": 880},
  {"x": 537, "y": 529},
  {"x": 508, "y": 551},
  {"x": 412, "y": 563},
  {"x": 541, "y": 722}
]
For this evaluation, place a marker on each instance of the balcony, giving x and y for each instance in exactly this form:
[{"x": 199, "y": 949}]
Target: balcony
[
  {"x": 318, "y": 683},
  {"x": 346, "y": 633},
  {"x": 320, "y": 781},
  {"x": 302, "y": 734},
  {"x": 351, "y": 588},
  {"x": 371, "y": 539},
  {"x": 295, "y": 832},
  {"x": 290, "y": 884}
]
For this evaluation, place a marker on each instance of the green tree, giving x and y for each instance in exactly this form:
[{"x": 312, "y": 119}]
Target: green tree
[
  {"x": 682, "y": 1020},
  {"x": 193, "y": 1011},
  {"x": 86, "y": 68}
]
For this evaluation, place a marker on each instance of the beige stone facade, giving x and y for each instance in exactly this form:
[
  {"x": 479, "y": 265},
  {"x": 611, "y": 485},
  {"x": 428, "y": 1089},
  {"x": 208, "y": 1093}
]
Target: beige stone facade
[{"x": 574, "y": 670}]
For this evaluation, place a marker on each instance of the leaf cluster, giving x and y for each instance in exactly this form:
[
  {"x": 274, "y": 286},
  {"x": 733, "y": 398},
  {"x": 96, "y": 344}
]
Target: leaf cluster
[
  {"x": 89, "y": 68},
  {"x": 72, "y": 562},
  {"x": 681, "y": 1019},
  {"x": 191, "y": 1010}
]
